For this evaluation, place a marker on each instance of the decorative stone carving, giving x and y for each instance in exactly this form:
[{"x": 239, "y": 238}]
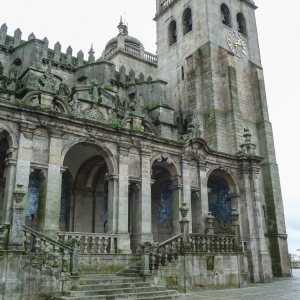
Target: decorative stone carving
[
  {"x": 93, "y": 113},
  {"x": 47, "y": 81}
]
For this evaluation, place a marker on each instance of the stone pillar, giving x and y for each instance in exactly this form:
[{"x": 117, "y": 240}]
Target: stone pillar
[
  {"x": 176, "y": 188},
  {"x": 184, "y": 226},
  {"x": 113, "y": 183},
  {"x": 143, "y": 205},
  {"x": 16, "y": 231},
  {"x": 24, "y": 158},
  {"x": 49, "y": 213},
  {"x": 204, "y": 208},
  {"x": 123, "y": 188},
  {"x": 258, "y": 254},
  {"x": 9, "y": 174},
  {"x": 123, "y": 204},
  {"x": 186, "y": 187},
  {"x": 135, "y": 190}
]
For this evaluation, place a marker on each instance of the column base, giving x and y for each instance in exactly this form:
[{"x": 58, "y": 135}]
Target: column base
[{"x": 124, "y": 243}]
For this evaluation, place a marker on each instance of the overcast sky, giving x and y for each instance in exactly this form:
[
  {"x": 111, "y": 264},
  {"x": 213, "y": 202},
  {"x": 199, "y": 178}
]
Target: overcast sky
[{"x": 81, "y": 23}]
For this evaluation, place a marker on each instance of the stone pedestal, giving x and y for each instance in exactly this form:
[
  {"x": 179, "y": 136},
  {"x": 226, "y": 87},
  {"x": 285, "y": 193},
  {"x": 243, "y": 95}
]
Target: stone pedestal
[{"x": 16, "y": 231}]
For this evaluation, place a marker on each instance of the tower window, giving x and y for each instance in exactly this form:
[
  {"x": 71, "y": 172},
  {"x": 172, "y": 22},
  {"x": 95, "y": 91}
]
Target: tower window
[
  {"x": 182, "y": 73},
  {"x": 187, "y": 21},
  {"x": 241, "y": 23},
  {"x": 172, "y": 33},
  {"x": 225, "y": 14}
]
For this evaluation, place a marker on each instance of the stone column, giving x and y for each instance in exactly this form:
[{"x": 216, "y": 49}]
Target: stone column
[
  {"x": 143, "y": 205},
  {"x": 176, "y": 188},
  {"x": 123, "y": 188},
  {"x": 135, "y": 190},
  {"x": 113, "y": 183},
  {"x": 9, "y": 174},
  {"x": 49, "y": 216},
  {"x": 204, "y": 208},
  {"x": 186, "y": 187},
  {"x": 122, "y": 200},
  {"x": 24, "y": 158}
]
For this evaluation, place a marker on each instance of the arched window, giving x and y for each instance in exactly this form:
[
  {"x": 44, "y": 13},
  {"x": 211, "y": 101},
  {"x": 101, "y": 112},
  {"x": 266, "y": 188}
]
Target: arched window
[
  {"x": 172, "y": 33},
  {"x": 187, "y": 21},
  {"x": 241, "y": 24},
  {"x": 225, "y": 14}
]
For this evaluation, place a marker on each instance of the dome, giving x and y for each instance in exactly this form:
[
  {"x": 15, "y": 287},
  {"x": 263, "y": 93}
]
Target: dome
[{"x": 128, "y": 39}]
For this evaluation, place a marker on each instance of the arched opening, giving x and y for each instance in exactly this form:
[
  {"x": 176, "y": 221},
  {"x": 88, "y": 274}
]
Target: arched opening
[
  {"x": 33, "y": 198},
  {"x": 187, "y": 21},
  {"x": 241, "y": 23},
  {"x": 225, "y": 15},
  {"x": 4, "y": 146},
  {"x": 162, "y": 205},
  {"x": 172, "y": 33},
  {"x": 220, "y": 187},
  {"x": 84, "y": 197}
]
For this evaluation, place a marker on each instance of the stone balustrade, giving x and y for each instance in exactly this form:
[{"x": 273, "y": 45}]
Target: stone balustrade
[
  {"x": 160, "y": 255},
  {"x": 150, "y": 57},
  {"x": 132, "y": 50},
  {"x": 147, "y": 56},
  {"x": 92, "y": 243},
  {"x": 212, "y": 243},
  {"x": 46, "y": 251},
  {"x": 3, "y": 233},
  {"x": 111, "y": 51}
]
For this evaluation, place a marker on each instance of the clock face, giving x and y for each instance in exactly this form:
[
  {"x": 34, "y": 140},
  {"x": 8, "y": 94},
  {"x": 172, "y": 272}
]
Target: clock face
[{"x": 236, "y": 44}]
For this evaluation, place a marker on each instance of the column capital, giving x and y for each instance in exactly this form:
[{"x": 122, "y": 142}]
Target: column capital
[
  {"x": 146, "y": 150},
  {"x": 176, "y": 186},
  {"x": 237, "y": 195},
  {"x": 112, "y": 177},
  {"x": 63, "y": 169},
  {"x": 10, "y": 162},
  {"x": 124, "y": 148},
  {"x": 56, "y": 132}
]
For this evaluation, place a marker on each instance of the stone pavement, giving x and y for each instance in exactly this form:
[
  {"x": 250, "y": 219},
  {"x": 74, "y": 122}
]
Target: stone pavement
[{"x": 287, "y": 288}]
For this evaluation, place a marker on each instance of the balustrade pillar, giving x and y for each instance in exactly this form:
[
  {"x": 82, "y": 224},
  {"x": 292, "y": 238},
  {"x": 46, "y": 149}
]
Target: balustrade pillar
[
  {"x": 184, "y": 226},
  {"x": 16, "y": 231}
]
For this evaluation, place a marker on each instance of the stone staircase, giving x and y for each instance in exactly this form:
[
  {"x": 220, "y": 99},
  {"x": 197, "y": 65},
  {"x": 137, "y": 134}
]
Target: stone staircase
[{"x": 127, "y": 284}]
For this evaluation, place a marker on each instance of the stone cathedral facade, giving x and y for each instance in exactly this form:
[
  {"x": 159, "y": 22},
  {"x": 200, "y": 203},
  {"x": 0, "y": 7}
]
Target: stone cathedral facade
[{"x": 109, "y": 150}]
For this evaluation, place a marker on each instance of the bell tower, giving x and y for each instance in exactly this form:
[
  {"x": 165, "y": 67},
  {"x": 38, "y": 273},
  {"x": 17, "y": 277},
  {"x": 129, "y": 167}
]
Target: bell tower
[{"x": 208, "y": 52}]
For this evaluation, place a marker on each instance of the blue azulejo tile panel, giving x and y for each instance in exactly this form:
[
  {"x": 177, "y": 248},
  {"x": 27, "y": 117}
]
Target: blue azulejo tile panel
[
  {"x": 165, "y": 205},
  {"x": 106, "y": 203},
  {"x": 64, "y": 199},
  {"x": 33, "y": 195},
  {"x": 219, "y": 202}
]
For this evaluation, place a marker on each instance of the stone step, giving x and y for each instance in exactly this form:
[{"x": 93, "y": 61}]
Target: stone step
[
  {"x": 130, "y": 274},
  {"x": 151, "y": 295},
  {"x": 131, "y": 290},
  {"x": 130, "y": 271},
  {"x": 121, "y": 285},
  {"x": 108, "y": 280}
]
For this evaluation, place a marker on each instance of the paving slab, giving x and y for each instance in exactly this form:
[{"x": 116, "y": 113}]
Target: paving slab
[{"x": 280, "y": 289}]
